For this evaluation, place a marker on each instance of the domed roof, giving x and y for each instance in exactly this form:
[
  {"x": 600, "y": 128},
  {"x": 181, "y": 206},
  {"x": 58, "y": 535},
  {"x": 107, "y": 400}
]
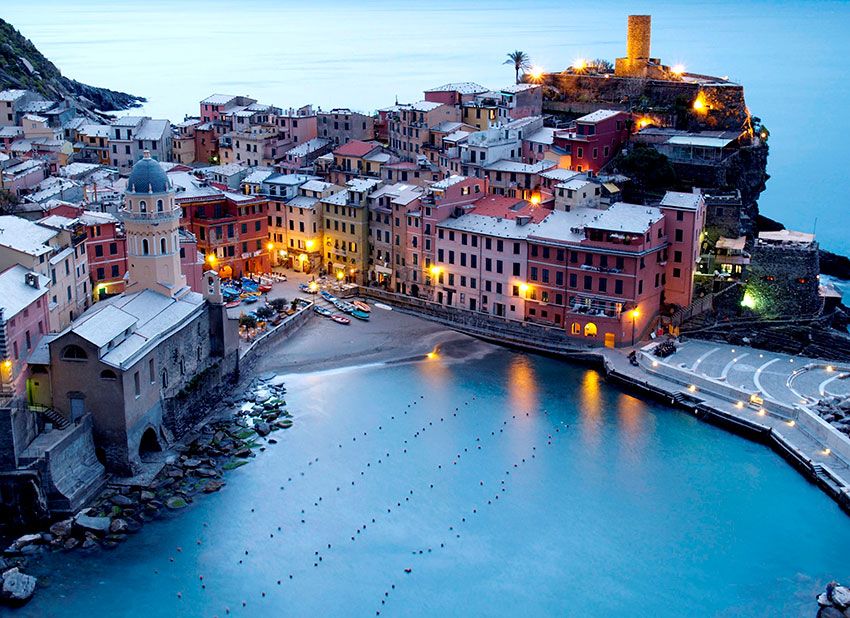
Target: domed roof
[{"x": 147, "y": 177}]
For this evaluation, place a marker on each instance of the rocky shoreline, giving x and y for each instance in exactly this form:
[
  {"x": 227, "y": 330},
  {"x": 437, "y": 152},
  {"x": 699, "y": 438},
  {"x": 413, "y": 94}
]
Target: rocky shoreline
[
  {"x": 835, "y": 602},
  {"x": 226, "y": 441}
]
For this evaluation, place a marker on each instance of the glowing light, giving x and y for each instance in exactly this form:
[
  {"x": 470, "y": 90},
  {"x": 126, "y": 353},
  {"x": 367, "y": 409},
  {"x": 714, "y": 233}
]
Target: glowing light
[
  {"x": 579, "y": 64},
  {"x": 536, "y": 73},
  {"x": 762, "y": 411},
  {"x": 655, "y": 363},
  {"x": 211, "y": 258},
  {"x": 7, "y": 364},
  {"x": 692, "y": 388},
  {"x": 635, "y": 313},
  {"x": 830, "y": 368},
  {"x": 700, "y": 104},
  {"x": 739, "y": 405},
  {"x": 763, "y": 134},
  {"x": 677, "y": 69},
  {"x": 644, "y": 122},
  {"x": 535, "y": 198},
  {"x": 270, "y": 246},
  {"x": 432, "y": 355},
  {"x": 523, "y": 288},
  {"x": 340, "y": 275},
  {"x": 749, "y": 301},
  {"x": 791, "y": 423},
  {"x": 313, "y": 286},
  {"x": 302, "y": 258},
  {"x": 826, "y": 452},
  {"x": 435, "y": 270},
  {"x": 310, "y": 245}
]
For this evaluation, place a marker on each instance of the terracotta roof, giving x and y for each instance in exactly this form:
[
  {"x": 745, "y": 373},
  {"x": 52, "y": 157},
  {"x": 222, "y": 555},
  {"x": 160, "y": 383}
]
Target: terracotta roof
[
  {"x": 355, "y": 148},
  {"x": 509, "y": 208}
]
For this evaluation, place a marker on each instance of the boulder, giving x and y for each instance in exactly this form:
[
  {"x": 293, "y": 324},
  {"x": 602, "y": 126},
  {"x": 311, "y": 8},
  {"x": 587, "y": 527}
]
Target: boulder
[
  {"x": 147, "y": 496},
  {"x": 823, "y": 600},
  {"x": 243, "y": 452},
  {"x": 262, "y": 428},
  {"x": 206, "y": 472},
  {"x": 840, "y": 596},
  {"x": 118, "y": 526},
  {"x": 71, "y": 543},
  {"x": 192, "y": 463},
  {"x": 175, "y": 502},
  {"x": 830, "y": 612},
  {"x": 213, "y": 485},
  {"x": 99, "y": 525},
  {"x": 18, "y": 587},
  {"x": 62, "y": 528},
  {"x": 262, "y": 395},
  {"x": 121, "y": 500}
]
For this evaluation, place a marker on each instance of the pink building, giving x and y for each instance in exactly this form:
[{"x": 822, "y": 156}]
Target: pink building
[
  {"x": 685, "y": 215},
  {"x": 24, "y": 320},
  {"x": 191, "y": 260},
  {"x": 481, "y": 256},
  {"x": 456, "y": 93},
  {"x": 593, "y": 140}
]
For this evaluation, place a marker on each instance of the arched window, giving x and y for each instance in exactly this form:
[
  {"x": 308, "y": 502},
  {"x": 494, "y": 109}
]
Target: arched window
[
  {"x": 164, "y": 378},
  {"x": 575, "y": 328},
  {"x": 145, "y": 246},
  {"x": 159, "y": 206},
  {"x": 74, "y": 353},
  {"x": 182, "y": 366},
  {"x": 108, "y": 374},
  {"x": 162, "y": 245},
  {"x": 143, "y": 206},
  {"x": 590, "y": 329}
]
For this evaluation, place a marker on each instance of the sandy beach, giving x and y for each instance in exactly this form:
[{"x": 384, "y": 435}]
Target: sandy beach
[{"x": 389, "y": 336}]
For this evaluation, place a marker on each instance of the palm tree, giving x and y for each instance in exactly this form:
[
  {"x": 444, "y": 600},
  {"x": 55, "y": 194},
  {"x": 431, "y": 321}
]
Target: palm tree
[{"x": 520, "y": 60}]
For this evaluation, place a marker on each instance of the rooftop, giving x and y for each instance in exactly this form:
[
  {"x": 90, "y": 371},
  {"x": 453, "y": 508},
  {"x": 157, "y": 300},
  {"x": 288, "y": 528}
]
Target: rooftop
[
  {"x": 25, "y": 236},
  {"x": 445, "y": 183},
  {"x": 460, "y": 87},
  {"x": 504, "y": 165},
  {"x": 355, "y": 148},
  {"x": 316, "y": 185},
  {"x": 301, "y": 150},
  {"x": 627, "y": 218},
  {"x": 682, "y": 201},
  {"x": 218, "y": 99},
  {"x": 11, "y": 95},
  {"x": 16, "y": 294},
  {"x": 514, "y": 88},
  {"x": 599, "y": 115},
  {"x": 787, "y": 237}
]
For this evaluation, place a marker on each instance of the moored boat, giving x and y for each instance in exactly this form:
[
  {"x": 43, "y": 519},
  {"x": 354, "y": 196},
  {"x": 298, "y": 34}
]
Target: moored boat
[
  {"x": 340, "y": 319},
  {"x": 361, "y": 305},
  {"x": 233, "y": 303},
  {"x": 322, "y": 311},
  {"x": 328, "y": 296},
  {"x": 360, "y": 315},
  {"x": 265, "y": 287},
  {"x": 250, "y": 300}
]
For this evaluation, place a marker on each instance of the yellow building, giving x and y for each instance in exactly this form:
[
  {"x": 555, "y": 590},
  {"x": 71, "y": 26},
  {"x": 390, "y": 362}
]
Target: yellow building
[{"x": 346, "y": 230}]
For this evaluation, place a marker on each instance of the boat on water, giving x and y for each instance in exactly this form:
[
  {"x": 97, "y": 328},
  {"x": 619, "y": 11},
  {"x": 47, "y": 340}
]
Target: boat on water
[
  {"x": 360, "y": 315},
  {"x": 361, "y": 305},
  {"x": 340, "y": 319},
  {"x": 322, "y": 311},
  {"x": 328, "y": 296}
]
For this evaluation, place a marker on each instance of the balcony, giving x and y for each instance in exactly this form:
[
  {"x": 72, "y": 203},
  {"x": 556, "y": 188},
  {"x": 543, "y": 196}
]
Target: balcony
[
  {"x": 592, "y": 306},
  {"x": 164, "y": 215}
]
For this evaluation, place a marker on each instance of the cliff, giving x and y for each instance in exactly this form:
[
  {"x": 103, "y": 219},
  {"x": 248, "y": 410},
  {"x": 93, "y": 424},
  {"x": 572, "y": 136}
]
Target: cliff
[{"x": 23, "y": 66}]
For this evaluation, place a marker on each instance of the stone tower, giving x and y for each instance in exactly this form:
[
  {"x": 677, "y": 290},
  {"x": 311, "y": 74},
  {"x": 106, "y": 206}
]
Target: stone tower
[
  {"x": 637, "y": 60},
  {"x": 151, "y": 221}
]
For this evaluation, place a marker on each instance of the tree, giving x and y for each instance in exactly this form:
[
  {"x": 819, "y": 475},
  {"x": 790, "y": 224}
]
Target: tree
[
  {"x": 278, "y": 304},
  {"x": 600, "y": 65},
  {"x": 8, "y": 202},
  {"x": 248, "y": 321},
  {"x": 649, "y": 169},
  {"x": 266, "y": 313},
  {"x": 520, "y": 60}
]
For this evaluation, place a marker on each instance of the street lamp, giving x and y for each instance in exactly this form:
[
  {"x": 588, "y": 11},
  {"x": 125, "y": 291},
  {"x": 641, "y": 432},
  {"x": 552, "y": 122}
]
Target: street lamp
[{"x": 635, "y": 315}]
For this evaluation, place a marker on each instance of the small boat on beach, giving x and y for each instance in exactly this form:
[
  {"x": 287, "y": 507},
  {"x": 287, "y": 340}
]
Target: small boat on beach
[
  {"x": 233, "y": 303},
  {"x": 250, "y": 300},
  {"x": 340, "y": 319},
  {"x": 328, "y": 296},
  {"x": 265, "y": 287},
  {"x": 322, "y": 311},
  {"x": 360, "y": 315},
  {"x": 383, "y": 306},
  {"x": 361, "y": 305}
]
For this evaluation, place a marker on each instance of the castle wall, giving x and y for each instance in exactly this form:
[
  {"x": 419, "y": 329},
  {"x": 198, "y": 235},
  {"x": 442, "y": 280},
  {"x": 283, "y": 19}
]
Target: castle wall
[{"x": 783, "y": 280}]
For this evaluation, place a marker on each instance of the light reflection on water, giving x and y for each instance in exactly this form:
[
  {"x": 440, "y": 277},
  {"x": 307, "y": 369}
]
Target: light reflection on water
[{"x": 633, "y": 507}]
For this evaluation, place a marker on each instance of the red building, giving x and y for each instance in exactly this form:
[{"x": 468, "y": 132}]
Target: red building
[
  {"x": 598, "y": 273},
  {"x": 231, "y": 230},
  {"x": 106, "y": 247},
  {"x": 592, "y": 141}
]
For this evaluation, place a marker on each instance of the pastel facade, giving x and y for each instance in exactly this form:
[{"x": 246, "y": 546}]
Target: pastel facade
[
  {"x": 341, "y": 126},
  {"x": 593, "y": 140},
  {"x": 24, "y": 319}
]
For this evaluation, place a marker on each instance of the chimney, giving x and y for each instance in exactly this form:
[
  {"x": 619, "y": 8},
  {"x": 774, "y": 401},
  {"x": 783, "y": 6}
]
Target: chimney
[
  {"x": 31, "y": 279},
  {"x": 523, "y": 220}
]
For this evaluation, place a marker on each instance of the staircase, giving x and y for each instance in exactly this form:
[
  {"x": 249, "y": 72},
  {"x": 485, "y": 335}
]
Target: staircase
[{"x": 52, "y": 416}]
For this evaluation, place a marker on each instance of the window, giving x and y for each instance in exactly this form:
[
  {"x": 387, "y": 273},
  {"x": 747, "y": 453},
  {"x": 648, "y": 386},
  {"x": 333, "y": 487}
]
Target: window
[
  {"x": 74, "y": 353},
  {"x": 137, "y": 384},
  {"x": 145, "y": 247},
  {"x": 151, "y": 371},
  {"x": 680, "y": 235},
  {"x": 108, "y": 374},
  {"x": 575, "y": 328},
  {"x": 159, "y": 206}
]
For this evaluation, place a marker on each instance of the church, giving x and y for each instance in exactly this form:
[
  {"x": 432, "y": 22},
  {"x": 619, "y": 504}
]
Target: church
[{"x": 145, "y": 364}]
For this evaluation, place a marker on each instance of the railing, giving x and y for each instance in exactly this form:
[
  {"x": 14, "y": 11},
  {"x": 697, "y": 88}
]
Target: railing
[{"x": 156, "y": 215}]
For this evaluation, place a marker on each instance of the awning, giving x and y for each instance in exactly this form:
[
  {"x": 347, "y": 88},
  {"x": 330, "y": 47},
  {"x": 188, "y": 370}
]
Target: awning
[{"x": 383, "y": 270}]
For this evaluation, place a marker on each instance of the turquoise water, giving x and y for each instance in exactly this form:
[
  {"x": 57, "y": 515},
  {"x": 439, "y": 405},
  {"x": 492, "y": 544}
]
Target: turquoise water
[
  {"x": 790, "y": 55},
  {"x": 578, "y": 500}
]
